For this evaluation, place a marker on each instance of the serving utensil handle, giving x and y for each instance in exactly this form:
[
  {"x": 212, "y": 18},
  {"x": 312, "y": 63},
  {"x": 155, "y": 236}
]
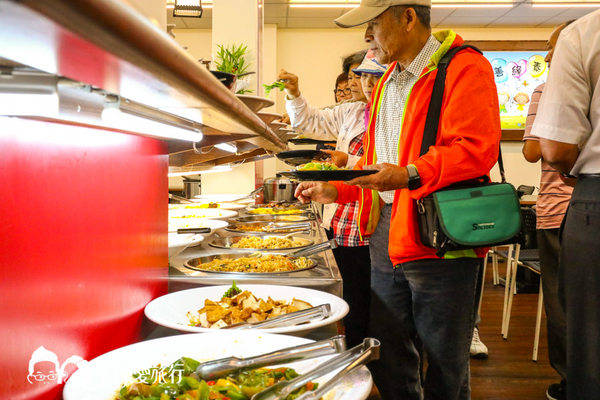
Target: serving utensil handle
[
  {"x": 225, "y": 366},
  {"x": 314, "y": 249},
  {"x": 293, "y": 318}
]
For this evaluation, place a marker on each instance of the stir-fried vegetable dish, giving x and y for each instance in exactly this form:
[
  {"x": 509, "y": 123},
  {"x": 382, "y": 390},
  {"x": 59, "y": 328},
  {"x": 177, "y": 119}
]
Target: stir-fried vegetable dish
[
  {"x": 179, "y": 381},
  {"x": 317, "y": 166}
]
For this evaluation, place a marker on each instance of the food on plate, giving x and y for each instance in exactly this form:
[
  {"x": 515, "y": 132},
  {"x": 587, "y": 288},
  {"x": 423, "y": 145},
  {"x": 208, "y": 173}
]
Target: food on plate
[
  {"x": 179, "y": 381},
  {"x": 196, "y": 215},
  {"x": 272, "y": 210},
  {"x": 273, "y": 242},
  {"x": 275, "y": 85},
  {"x": 205, "y": 205},
  {"x": 264, "y": 263},
  {"x": 242, "y": 307},
  {"x": 318, "y": 166}
]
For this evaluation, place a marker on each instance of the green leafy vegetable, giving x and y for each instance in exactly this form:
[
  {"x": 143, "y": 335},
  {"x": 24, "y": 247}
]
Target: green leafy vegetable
[
  {"x": 232, "y": 291},
  {"x": 275, "y": 85}
]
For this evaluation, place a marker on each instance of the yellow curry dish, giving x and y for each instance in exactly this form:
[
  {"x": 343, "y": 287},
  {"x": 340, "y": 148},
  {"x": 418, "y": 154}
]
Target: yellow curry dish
[
  {"x": 262, "y": 264},
  {"x": 273, "y": 242}
]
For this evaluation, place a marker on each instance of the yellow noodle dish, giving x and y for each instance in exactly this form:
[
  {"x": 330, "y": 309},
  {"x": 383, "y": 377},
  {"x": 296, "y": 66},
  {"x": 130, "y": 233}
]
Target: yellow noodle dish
[
  {"x": 264, "y": 264},
  {"x": 267, "y": 210},
  {"x": 256, "y": 242}
]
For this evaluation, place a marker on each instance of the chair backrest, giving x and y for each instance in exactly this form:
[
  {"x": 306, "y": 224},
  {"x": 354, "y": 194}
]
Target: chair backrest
[
  {"x": 528, "y": 236},
  {"x": 525, "y": 190}
]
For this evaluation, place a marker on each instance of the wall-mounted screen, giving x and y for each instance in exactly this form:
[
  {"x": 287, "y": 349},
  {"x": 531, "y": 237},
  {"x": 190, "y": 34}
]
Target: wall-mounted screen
[{"x": 517, "y": 74}]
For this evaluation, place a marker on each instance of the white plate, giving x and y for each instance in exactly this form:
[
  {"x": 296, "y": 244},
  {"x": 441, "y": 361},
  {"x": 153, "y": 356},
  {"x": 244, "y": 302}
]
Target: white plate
[
  {"x": 180, "y": 242},
  {"x": 170, "y": 310},
  {"x": 197, "y": 206},
  {"x": 102, "y": 377},
  {"x": 213, "y": 224},
  {"x": 199, "y": 213}
]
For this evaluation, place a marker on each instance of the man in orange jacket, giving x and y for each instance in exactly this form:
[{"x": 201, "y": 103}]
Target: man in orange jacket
[{"x": 433, "y": 297}]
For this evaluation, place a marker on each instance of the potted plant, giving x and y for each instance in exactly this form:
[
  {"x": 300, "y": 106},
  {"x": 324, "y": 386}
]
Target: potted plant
[{"x": 232, "y": 60}]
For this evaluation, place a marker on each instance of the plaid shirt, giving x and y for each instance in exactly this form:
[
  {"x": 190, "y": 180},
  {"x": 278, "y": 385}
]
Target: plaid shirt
[
  {"x": 388, "y": 125},
  {"x": 344, "y": 223}
]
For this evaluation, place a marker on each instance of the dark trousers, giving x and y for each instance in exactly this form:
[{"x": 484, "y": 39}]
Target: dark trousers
[
  {"x": 549, "y": 249},
  {"x": 580, "y": 276},
  {"x": 355, "y": 266},
  {"x": 430, "y": 300}
]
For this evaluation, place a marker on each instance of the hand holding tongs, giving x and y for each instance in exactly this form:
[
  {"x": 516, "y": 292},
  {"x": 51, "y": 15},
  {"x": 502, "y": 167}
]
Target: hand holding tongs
[
  {"x": 290, "y": 319},
  {"x": 225, "y": 366},
  {"x": 314, "y": 249},
  {"x": 350, "y": 360}
]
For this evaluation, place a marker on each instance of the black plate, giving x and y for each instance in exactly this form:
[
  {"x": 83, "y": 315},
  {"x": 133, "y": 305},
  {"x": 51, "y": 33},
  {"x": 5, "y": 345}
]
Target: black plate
[
  {"x": 309, "y": 141},
  {"x": 299, "y": 157},
  {"x": 338, "y": 175}
]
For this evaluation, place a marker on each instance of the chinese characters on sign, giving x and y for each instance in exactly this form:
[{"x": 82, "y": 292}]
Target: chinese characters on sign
[{"x": 517, "y": 74}]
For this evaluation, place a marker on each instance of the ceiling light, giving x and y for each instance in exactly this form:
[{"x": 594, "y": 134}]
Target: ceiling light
[
  {"x": 471, "y": 5},
  {"x": 227, "y": 147},
  {"x": 550, "y": 4},
  {"x": 324, "y": 4},
  {"x": 117, "y": 118},
  {"x": 187, "y": 8}
]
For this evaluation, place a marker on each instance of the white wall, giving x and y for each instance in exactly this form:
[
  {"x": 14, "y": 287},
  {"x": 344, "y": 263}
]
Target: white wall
[{"x": 315, "y": 56}]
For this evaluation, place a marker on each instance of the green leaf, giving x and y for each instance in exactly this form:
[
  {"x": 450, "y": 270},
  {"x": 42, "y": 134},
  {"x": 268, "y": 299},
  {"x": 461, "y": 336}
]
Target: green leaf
[{"x": 274, "y": 85}]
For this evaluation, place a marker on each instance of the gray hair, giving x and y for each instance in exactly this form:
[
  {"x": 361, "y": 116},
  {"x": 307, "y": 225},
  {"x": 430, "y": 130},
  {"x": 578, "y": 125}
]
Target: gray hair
[{"x": 423, "y": 13}]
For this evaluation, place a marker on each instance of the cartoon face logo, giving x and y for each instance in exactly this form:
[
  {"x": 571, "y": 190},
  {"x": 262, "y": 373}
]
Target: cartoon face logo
[{"x": 45, "y": 368}]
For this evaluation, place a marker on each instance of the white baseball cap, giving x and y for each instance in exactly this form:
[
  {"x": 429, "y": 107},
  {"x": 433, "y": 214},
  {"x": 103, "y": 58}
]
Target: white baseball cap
[
  {"x": 370, "y": 65},
  {"x": 369, "y": 9}
]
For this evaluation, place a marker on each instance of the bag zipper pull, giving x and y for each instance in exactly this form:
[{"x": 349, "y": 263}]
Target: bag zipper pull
[
  {"x": 420, "y": 207},
  {"x": 435, "y": 233}
]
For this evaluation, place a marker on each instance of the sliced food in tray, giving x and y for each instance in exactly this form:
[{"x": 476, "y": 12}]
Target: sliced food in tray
[{"x": 267, "y": 242}]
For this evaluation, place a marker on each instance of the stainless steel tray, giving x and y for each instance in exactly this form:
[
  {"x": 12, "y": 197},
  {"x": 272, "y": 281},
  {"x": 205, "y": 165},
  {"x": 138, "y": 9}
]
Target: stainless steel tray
[
  {"x": 272, "y": 218},
  {"x": 227, "y": 242},
  {"x": 258, "y": 228},
  {"x": 195, "y": 262}
]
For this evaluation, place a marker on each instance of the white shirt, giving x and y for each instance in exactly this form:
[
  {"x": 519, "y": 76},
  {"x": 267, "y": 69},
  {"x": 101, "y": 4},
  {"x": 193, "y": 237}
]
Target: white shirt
[
  {"x": 569, "y": 110},
  {"x": 388, "y": 125},
  {"x": 341, "y": 123}
]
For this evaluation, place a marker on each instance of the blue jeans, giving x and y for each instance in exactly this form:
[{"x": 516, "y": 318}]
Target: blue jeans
[{"x": 431, "y": 300}]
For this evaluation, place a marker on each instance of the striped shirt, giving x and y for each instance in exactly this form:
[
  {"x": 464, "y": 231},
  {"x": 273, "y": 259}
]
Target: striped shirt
[
  {"x": 554, "y": 196},
  {"x": 388, "y": 125}
]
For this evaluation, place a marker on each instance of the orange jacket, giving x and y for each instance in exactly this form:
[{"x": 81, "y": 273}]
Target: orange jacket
[{"x": 466, "y": 146}]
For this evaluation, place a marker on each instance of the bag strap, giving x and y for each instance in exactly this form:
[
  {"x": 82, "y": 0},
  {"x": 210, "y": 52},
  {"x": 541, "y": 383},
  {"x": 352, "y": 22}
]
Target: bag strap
[{"x": 435, "y": 104}]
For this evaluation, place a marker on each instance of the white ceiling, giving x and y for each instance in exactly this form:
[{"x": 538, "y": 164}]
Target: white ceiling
[{"x": 521, "y": 14}]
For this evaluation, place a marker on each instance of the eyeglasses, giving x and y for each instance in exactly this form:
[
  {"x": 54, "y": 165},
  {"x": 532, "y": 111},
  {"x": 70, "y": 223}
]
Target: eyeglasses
[
  {"x": 41, "y": 377},
  {"x": 342, "y": 91}
]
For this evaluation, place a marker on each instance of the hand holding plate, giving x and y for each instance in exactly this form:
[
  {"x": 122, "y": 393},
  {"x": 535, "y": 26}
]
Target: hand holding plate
[{"x": 389, "y": 177}]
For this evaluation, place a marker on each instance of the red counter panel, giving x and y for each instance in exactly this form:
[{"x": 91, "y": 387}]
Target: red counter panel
[{"x": 83, "y": 247}]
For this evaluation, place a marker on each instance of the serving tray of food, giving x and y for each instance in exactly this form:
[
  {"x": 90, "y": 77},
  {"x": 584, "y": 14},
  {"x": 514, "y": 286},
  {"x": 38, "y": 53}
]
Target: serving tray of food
[
  {"x": 250, "y": 263},
  {"x": 272, "y": 218},
  {"x": 263, "y": 227},
  {"x": 266, "y": 242}
]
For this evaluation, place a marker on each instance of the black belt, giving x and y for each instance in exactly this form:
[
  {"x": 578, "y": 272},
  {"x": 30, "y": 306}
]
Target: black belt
[{"x": 588, "y": 176}]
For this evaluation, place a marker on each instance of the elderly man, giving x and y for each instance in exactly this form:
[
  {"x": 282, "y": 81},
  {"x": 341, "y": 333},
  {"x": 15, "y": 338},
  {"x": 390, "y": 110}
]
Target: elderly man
[
  {"x": 568, "y": 125},
  {"x": 433, "y": 297}
]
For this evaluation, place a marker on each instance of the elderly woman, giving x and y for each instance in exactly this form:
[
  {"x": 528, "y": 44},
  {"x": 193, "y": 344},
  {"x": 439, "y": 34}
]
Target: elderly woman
[
  {"x": 345, "y": 122},
  {"x": 341, "y": 91}
]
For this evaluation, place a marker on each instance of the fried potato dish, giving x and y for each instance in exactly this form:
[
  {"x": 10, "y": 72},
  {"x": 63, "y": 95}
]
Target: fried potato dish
[{"x": 244, "y": 307}]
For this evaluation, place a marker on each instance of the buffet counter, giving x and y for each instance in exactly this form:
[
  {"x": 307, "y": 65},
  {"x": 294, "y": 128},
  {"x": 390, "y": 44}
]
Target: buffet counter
[{"x": 325, "y": 276}]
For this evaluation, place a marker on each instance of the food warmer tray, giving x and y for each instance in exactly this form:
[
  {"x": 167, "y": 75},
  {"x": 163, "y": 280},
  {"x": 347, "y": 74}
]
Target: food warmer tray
[{"x": 325, "y": 276}]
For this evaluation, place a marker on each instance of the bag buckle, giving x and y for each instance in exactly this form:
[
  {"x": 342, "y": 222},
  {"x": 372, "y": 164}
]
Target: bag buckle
[{"x": 420, "y": 207}]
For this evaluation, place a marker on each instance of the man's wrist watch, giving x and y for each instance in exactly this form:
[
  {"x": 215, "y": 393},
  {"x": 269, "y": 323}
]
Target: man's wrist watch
[{"x": 414, "y": 180}]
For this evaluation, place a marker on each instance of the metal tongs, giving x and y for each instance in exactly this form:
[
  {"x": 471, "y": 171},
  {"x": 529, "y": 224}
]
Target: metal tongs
[
  {"x": 225, "y": 366},
  {"x": 194, "y": 230},
  {"x": 274, "y": 227},
  {"x": 350, "y": 360},
  {"x": 314, "y": 249},
  {"x": 294, "y": 318}
]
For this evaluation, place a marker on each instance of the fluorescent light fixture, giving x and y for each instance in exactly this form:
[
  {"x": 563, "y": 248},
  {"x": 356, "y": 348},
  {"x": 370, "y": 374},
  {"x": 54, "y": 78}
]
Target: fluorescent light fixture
[
  {"x": 564, "y": 5},
  {"x": 471, "y": 5},
  {"x": 435, "y": 4},
  {"x": 227, "y": 147},
  {"x": 29, "y": 104},
  {"x": 118, "y": 119},
  {"x": 218, "y": 168}
]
